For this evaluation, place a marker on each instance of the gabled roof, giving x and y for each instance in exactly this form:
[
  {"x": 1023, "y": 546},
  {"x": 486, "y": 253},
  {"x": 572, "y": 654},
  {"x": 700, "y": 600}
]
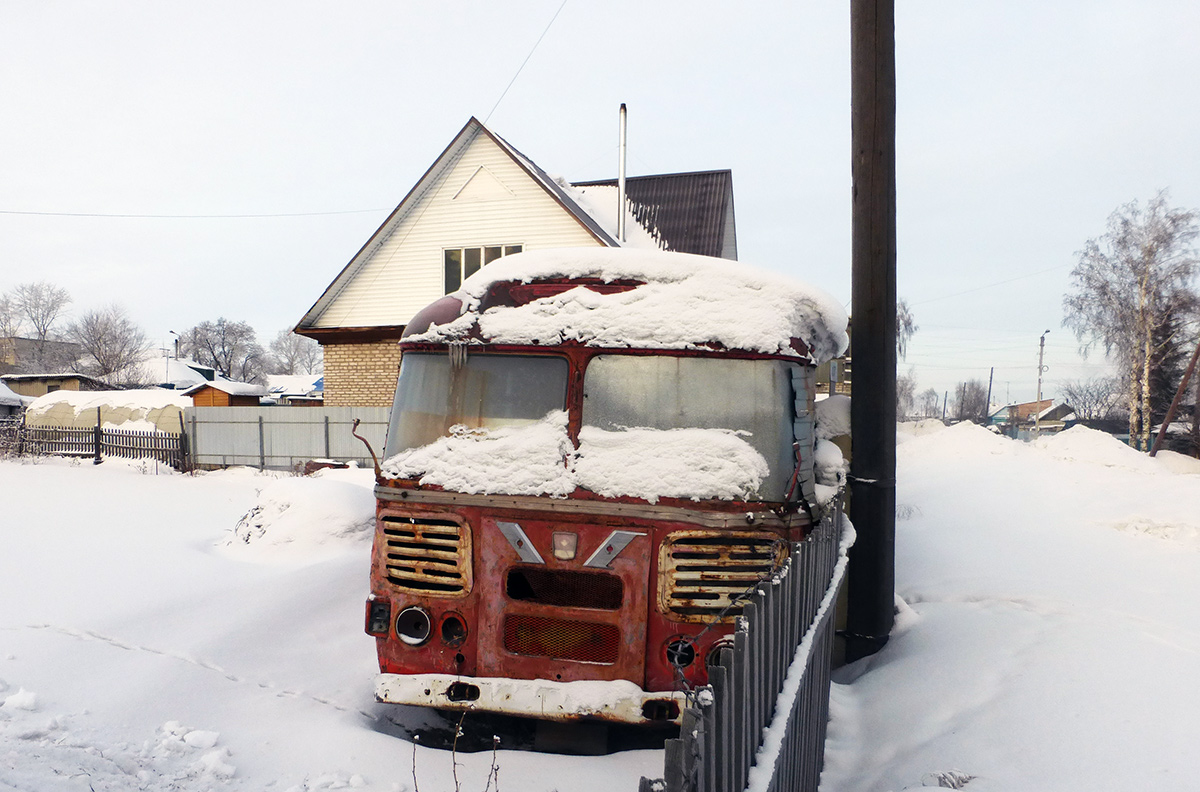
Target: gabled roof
[
  {"x": 445, "y": 160},
  {"x": 690, "y": 212}
]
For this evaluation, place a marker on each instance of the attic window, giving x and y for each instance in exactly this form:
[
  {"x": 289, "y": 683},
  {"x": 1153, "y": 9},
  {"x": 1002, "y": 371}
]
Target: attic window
[{"x": 462, "y": 263}]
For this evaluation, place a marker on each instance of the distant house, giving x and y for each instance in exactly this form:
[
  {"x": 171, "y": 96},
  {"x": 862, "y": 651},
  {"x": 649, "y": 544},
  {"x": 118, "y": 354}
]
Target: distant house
[
  {"x": 301, "y": 390},
  {"x": 225, "y": 393},
  {"x": 29, "y": 355},
  {"x": 41, "y": 384},
  {"x": 1018, "y": 419},
  {"x": 482, "y": 200}
]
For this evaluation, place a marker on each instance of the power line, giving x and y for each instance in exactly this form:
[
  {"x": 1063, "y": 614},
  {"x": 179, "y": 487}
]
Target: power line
[
  {"x": 990, "y": 285},
  {"x": 188, "y": 216},
  {"x": 522, "y": 66}
]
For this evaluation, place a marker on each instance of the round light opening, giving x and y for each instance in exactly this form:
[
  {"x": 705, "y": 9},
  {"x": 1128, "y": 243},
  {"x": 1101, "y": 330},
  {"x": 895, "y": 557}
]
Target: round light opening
[
  {"x": 681, "y": 653},
  {"x": 454, "y": 631},
  {"x": 412, "y": 625}
]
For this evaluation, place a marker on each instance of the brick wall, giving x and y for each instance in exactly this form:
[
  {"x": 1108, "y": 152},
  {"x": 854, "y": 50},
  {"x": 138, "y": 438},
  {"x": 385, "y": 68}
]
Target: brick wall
[{"x": 361, "y": 375}]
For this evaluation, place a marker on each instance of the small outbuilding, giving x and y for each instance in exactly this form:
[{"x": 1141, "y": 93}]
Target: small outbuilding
[{"x": 225, "y": 393}]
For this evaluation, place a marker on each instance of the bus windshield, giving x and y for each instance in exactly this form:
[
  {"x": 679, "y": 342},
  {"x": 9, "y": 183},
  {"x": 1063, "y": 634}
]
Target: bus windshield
[
  {"x": 486, "y": 391},
  {"x": 664, "y": 392}
]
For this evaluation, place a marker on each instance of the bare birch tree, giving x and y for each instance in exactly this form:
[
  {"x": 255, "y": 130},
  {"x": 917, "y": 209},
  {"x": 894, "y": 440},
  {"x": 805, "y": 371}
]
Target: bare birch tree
[
  {"x": 1124, "y": 284},
  {"x": 229, "y": 347},
  {"x": 112, "y": 344},
  {"x": 296, "y": 354},
  {"x": 40, "y": 306},
  {"x": 10, "y": 329},
  {"x": 1092, "y": 399},
  {"x": 930, "y": 402},
  {"x": 906, "y": 327}
]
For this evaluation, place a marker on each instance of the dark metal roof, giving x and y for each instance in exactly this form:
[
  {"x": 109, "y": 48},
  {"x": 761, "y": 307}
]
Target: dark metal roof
[{"x": 692, "y": 212}]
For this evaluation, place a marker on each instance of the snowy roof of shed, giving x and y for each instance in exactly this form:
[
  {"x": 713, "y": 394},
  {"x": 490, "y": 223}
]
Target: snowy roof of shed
[
  {"x": 10, "y": 399},
  {"x": 229, "y": 386},
  {"x": 683, "y": 302}
]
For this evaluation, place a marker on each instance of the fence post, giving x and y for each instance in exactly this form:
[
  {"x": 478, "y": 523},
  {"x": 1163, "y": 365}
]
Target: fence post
[
  {"x": 97, "y": 439},
  {"x": 327, "y": 455},
  {"x": 262, "y": 449}
]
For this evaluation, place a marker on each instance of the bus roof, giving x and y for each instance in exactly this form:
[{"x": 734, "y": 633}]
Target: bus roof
[{"x": 636, "y": 299}]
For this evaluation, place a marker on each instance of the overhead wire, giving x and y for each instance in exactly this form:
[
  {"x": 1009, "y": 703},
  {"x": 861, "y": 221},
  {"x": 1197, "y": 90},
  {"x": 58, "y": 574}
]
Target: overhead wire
[
  {"x": 522, "y": 66},
  {"x": 187, "y": 216}
]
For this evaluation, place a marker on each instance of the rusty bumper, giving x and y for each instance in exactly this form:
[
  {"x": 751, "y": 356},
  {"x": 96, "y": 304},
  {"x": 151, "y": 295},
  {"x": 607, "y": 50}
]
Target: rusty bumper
[{"x": 614, "y": 701}]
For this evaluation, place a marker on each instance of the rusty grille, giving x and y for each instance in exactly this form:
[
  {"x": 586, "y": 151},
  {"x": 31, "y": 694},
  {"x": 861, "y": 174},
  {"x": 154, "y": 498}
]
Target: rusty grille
[
  {"x": 427, "y": 555},
  {"x": 702, "y": 573},
  {"x": 564, "y": 588},
  {"x": 564, "y": 640}
]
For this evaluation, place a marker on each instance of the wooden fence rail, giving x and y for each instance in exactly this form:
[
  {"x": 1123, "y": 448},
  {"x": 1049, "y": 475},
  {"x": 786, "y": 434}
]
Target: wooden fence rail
[{"x": 760, "y": 724}]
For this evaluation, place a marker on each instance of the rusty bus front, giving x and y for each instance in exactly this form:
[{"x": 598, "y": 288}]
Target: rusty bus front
[{"x": 564, "y": 527}]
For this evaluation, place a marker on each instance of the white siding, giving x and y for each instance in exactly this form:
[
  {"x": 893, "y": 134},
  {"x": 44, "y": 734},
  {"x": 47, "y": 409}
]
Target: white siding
[{"x": 404, "y": 273}]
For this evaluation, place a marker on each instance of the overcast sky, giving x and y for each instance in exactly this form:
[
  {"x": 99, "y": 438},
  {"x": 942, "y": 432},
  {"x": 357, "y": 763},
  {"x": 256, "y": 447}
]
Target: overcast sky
[{"x": 1022, "y": 125}]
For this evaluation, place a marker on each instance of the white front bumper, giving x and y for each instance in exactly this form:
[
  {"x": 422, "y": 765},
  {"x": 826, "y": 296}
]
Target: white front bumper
[{"x": 617, "y": 701}]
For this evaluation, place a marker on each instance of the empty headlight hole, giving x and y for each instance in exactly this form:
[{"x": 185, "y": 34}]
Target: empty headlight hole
[
  {"x": 680, "y": 652},
  {"x": 412, "y": 625},
  {"x": 454, "y": 630}
]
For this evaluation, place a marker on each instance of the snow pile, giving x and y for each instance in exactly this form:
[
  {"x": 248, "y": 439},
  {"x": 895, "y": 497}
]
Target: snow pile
[
  {"x": 538, "y": 459},
  {"x": 833, "y": 417},
  {"x": 1178, "y": 463},
  {"x": 511, "y": 460},
  {"x": 1088, "y": 445},
  {"x": 21, "y": 700},
  {"x": 917, "y": 428},
  {"x": 301, "y": 517},
  {"x": 1053, "y": 635},
  {"x": 669, "y": 463},
  {"x": 687, "y": 302},
  {"x": 147, "y": 409}
]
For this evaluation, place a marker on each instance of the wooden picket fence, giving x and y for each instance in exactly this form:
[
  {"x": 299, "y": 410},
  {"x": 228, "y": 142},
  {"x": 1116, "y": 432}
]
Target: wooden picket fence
[
  {"x": 95, "y": 442},
  {"x": 760, "y": 724}
]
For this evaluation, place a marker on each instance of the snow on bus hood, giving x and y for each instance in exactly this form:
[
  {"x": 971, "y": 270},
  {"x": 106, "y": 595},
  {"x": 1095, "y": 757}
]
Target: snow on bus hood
[
  {"x": 538, "y": 459},
  {"x": 687, "y": 301}
]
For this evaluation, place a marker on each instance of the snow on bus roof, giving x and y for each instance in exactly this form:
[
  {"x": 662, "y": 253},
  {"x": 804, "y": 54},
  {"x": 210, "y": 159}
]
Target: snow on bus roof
[{"x": 687, "y": 301}]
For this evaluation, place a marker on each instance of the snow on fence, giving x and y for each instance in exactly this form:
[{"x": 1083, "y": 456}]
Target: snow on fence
[
  {"x": 282, "y": 438},
  {"x": 760, "y": 724},
  {"x": 96, "y": 442}
]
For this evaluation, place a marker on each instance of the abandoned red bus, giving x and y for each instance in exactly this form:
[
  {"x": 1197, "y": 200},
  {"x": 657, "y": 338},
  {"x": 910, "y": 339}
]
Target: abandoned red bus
[{"x": 592, "y": 453}]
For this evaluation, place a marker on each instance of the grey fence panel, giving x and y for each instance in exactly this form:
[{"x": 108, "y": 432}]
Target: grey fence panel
[
  {"x": 773, "y": 686},
  {"x": 282, "y": 438}
]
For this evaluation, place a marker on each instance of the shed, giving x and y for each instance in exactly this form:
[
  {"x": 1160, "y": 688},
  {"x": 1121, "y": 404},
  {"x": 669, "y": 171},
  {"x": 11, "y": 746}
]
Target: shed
[{"x": 225, "y": 393}]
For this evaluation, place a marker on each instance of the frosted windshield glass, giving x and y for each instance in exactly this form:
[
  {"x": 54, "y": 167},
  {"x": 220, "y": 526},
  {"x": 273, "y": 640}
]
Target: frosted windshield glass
[
  {"x": 488, "y": 391},
  {"x": 662, "y": 392}
]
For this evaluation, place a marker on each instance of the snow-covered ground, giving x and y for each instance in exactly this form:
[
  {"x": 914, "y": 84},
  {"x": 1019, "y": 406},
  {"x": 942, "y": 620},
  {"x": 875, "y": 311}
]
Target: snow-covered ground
[
  {"x": 1049, "y": 637},
  {"x": 145, "y": 644},
  {"x": 191, "y": 633}
]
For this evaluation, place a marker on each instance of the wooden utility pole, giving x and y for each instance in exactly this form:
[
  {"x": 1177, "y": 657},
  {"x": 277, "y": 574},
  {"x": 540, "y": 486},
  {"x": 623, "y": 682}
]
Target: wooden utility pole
[
  {"x": 872, "y": 576},
  {"x": 1165, "y": 427}
]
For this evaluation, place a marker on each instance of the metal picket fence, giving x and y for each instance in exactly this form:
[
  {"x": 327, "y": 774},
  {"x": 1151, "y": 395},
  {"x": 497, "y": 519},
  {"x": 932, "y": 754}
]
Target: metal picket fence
[{"x": 760, "y": 724}]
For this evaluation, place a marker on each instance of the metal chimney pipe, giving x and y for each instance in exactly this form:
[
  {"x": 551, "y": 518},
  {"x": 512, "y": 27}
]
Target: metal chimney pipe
[{"x": 621, "y": 180}]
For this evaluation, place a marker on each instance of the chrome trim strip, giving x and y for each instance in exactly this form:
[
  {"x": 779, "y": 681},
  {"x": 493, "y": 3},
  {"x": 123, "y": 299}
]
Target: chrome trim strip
[
  {"x": 706, "y": 519},
  {"x": 520, "y": 542},
  {"x": 610, "y": 548}
]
